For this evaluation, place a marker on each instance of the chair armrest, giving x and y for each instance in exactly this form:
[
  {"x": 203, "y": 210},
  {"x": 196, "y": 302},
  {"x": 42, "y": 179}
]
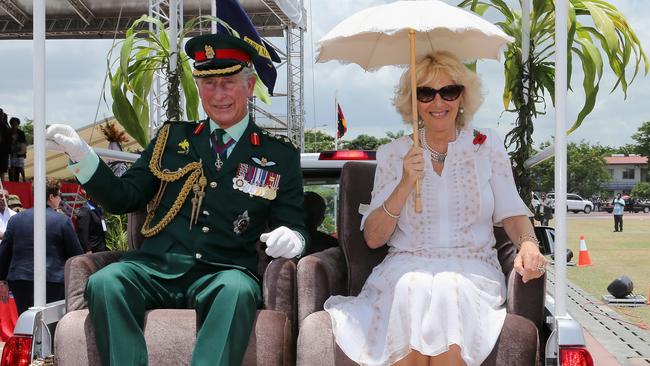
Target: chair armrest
[
  {"x": 77, "y": 271},
  {"x": 320, "y": 276},
  {"x": 279, "y": 286},
  {"x": 527, "y": 299}
]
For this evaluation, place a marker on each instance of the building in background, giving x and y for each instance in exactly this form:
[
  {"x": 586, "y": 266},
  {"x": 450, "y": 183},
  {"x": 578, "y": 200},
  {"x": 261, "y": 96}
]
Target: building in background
[{"x": 625, "y": 172}]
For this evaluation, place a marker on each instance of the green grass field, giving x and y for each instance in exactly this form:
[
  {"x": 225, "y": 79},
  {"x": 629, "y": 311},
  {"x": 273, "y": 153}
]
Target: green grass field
[{"x": 612, "y": 255}]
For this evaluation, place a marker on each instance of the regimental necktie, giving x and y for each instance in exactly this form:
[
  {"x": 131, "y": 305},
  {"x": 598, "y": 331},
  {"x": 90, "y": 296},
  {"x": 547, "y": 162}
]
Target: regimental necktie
[{"x": 220, "y": 148}]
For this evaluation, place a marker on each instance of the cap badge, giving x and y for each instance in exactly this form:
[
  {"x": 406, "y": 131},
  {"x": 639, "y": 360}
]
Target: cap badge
[{"x": 209, "y": 51}]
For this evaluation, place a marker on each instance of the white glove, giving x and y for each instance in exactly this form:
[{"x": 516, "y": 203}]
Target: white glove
[
  {"x": 283, "y": 242},
  {"x": 65, "y": 139}
]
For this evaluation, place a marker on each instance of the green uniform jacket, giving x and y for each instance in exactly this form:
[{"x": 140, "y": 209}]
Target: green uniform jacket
[{"x": 171, "y": 253}]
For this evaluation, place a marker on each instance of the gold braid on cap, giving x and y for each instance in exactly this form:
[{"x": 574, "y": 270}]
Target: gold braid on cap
[
  {"x": 227, "y": 70},
  {"x": 165, "y": 177}
]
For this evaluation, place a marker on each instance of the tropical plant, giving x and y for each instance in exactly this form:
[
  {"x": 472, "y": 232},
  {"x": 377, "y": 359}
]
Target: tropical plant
[
  {"x": 142, "y": 54},
  {"x": 601, "y": 24},
  {"x": 116, "y": 234}
]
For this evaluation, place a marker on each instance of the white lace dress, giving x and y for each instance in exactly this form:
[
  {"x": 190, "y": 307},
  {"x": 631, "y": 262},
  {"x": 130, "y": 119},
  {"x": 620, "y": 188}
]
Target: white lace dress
[{"x": 441, "y": 282}]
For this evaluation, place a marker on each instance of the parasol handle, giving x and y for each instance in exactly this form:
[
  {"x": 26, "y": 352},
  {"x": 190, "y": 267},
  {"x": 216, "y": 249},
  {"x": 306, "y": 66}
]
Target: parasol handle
[{"x": 414, "y": 116}]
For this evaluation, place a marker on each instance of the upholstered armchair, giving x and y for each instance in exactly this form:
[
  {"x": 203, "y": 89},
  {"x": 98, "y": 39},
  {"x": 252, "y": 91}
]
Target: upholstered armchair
[
  {"x": 170, "y": 333},
  {"x": 343, "y": 271}
]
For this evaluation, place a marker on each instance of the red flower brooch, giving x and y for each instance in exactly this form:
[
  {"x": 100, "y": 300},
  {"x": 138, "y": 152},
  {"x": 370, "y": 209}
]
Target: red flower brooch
[{"x": 479, "y": 139}]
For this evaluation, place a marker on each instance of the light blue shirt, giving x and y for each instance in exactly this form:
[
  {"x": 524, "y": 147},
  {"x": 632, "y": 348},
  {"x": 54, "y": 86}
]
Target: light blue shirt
[
  {"x": 85, "y": 168},
  {"x": 619, "y": 205}
]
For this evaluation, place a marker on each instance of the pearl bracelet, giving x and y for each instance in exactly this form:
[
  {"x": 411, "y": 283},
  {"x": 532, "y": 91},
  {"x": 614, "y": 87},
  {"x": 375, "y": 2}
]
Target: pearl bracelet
[
  {"x": 383, "y": 205},
  {"x": 527, "y": 237}
]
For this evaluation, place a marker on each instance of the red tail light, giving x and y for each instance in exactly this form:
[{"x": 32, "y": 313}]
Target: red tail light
[
  {"x": 17, "y": 351},
  {"x": 575, "y": 356},
  {"x": 348, "y": 155}
]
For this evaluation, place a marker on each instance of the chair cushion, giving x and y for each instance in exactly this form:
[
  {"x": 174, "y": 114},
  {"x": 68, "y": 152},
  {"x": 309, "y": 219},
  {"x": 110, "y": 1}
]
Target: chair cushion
[
  {"x": 517, "y": 344},
  {"x": 316, "y": 344},
  {"x": 170, "y": 336}
]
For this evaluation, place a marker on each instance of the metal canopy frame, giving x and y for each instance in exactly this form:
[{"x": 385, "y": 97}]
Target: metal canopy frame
[{"x": 102, "y": 19}]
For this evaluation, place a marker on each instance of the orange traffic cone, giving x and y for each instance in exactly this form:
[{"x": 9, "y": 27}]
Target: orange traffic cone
[{"x": 583, "y": 257}]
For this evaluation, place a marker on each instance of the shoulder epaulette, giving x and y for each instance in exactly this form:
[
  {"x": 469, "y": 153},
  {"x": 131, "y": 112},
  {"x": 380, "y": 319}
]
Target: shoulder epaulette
[{"x": 281, "y": 138}]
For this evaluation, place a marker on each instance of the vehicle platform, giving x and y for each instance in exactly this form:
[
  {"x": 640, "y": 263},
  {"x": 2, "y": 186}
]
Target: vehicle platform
[{"x": 617, "y": 340}]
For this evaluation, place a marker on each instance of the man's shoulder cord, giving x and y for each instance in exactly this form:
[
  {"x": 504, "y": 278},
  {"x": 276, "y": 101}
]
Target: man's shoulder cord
[{"x": 196, "y": 178}]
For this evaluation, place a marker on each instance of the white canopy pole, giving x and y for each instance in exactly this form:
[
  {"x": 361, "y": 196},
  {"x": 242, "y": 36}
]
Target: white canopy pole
[
  {"x": 173, "y": 34},
  {"x": 561, "y": 29},
  {"x": 38, "y": 83},
  {"x": 213, "y": 12},
  {"x": 525, "y": 42}
]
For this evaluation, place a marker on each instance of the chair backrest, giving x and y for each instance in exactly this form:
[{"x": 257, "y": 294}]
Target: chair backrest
[{"x": 357, "y": 179}]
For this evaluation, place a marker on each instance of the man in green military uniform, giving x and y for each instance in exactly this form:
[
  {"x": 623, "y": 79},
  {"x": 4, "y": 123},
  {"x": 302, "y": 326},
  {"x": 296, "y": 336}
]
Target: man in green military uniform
[{"x": 212, "y": 188}]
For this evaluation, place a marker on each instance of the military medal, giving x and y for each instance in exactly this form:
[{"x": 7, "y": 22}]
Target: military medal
[
  {"x": 219, "y": 149},
  {"x": 219, "y": 163},
  {"x": 241, "y": 224}
]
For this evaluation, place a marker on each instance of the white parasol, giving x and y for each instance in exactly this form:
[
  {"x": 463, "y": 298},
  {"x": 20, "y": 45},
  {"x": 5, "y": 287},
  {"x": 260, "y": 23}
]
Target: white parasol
[{"x": 398, "y": 33}]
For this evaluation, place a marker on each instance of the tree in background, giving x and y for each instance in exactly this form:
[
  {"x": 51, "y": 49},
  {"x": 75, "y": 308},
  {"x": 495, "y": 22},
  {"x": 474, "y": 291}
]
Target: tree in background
[
  {"x": 317, "y": 141},
  {"x": 610, "y": 30},
  {"x": 642, "y": 138},
  {"x": 28, "y": 129},
  {"x": 365, "y": 142},
  {"x": 641, "y": 191},
  {"x": 586, "y": 170}
]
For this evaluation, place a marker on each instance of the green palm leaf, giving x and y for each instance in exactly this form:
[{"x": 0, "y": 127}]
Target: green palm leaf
[{"x": 610, "y": 38}]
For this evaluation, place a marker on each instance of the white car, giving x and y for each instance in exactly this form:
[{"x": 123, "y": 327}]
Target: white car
[{"x": 574, "y": 203}]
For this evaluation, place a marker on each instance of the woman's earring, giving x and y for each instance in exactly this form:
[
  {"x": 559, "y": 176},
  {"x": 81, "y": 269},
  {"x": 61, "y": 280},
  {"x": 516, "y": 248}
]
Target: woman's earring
[{"x": 461, "y": 110}]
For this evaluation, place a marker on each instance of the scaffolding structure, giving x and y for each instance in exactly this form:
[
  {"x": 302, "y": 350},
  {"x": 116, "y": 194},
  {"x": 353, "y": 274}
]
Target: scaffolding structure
[{"x": 100, "y": 19}]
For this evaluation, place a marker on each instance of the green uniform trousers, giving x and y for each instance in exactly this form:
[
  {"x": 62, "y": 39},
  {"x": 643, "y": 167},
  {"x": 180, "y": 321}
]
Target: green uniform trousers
[{"x": 225, "y": 301}]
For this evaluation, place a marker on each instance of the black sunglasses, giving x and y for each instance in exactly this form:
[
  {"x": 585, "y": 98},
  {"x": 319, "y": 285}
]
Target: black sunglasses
[{"x": 449, "y": 93}]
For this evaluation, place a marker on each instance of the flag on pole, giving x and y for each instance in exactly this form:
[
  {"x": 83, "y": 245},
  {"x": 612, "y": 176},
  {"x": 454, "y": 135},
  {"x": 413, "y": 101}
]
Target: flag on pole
[
  {"x": 342, "y": 125},
  {"x": 230, "y": 12}
]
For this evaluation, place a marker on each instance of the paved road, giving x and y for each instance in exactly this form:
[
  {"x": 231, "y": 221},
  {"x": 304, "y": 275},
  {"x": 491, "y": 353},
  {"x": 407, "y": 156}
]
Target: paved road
[{"x": 604, "y": 215}]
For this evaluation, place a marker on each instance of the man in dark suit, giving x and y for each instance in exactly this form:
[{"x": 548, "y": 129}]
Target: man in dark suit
[
  {"x": 91, "y": 227},
  {"x": 17, "y": 251},
  {"x": 212, "y": 189}
]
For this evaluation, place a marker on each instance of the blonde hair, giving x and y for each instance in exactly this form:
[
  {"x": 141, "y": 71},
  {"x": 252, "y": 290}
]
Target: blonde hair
[{"x": 429, "y": 68}]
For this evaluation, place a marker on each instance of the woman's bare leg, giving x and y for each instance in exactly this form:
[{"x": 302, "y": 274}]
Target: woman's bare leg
[
  {"x": 414, "y": 358},
  {"x": 449, "y": 358}
]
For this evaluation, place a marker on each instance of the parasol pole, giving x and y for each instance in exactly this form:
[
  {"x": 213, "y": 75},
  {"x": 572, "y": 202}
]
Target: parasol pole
[{"x": 414, "y": 116}]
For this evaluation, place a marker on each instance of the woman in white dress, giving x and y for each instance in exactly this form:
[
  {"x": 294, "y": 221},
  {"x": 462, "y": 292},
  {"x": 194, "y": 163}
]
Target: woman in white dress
[{"x": 438, "y": 296}]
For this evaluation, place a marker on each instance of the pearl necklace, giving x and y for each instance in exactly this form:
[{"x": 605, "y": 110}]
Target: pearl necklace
[{"x": 435, "y": 155}]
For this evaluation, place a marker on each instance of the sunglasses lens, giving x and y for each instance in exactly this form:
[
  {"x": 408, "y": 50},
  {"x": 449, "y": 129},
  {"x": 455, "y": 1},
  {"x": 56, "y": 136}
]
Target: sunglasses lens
[
  {"x": 425, "y": 94},
  {"x": 451, "y": 92}
]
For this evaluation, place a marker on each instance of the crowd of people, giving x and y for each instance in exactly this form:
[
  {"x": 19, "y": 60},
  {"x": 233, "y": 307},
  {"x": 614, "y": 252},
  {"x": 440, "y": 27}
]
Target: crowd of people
[
  {"x": 63, "y": 240},
  {"x": 13, "y": 148}
]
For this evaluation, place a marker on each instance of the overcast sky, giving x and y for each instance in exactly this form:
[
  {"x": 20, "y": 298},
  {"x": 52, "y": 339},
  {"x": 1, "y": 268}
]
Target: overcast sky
[{"x": 76, "y": 69}]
